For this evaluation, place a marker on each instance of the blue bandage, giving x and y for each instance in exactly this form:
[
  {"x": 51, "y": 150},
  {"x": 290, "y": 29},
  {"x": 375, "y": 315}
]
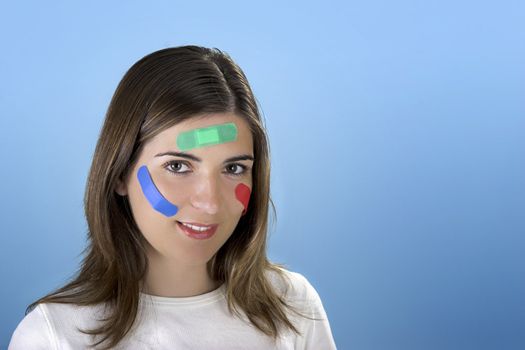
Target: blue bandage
[{"x": 154, "y": 197}]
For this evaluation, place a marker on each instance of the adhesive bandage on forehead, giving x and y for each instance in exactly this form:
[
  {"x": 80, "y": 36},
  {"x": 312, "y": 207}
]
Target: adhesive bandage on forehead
[{"x": 211, "y": 135}]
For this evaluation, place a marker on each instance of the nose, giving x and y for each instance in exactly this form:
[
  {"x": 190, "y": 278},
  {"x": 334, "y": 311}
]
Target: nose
[{"x": 206, "y": 196}]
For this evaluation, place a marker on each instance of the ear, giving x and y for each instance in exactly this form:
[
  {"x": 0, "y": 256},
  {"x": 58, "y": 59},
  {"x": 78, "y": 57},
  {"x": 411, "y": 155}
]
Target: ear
[{"x": 121, "y": 188}]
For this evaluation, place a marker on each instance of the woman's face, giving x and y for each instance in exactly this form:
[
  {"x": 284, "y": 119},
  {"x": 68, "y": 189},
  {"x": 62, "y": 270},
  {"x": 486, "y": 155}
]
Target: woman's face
[{"x": 198, "y": 171}]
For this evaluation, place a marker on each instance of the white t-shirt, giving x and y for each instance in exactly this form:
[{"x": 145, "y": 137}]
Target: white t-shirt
[{"x": 196, "y": 322}]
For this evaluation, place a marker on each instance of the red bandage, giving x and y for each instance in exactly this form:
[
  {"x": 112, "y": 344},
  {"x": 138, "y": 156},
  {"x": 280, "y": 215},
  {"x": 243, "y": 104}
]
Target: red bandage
[{"x": 242, "y": 193}]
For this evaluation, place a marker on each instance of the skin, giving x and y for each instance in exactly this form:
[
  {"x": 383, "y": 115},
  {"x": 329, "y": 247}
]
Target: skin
[{"x": 204, "y": 192}]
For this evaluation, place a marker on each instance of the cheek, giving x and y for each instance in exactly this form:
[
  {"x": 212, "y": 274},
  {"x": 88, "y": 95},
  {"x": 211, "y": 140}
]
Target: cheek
[
  {"x": 153, "y": 195},
  {"x": 242, "y": 193}
]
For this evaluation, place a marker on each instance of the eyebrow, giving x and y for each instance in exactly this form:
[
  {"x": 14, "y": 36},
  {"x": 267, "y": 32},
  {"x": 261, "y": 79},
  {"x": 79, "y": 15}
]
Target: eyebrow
[{"x": 192, "y": 157}]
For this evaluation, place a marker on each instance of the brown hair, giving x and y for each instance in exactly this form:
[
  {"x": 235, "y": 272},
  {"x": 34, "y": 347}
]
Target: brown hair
[{"x": 157, "y": 92}]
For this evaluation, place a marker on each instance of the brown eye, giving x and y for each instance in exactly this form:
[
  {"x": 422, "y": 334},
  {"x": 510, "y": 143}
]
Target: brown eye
[
  {"x": 175, "y": 167},
  {"x": 236, "y": 169}
]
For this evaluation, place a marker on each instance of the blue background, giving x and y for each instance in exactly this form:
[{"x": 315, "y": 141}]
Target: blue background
[{"x": 397, "y": 137}]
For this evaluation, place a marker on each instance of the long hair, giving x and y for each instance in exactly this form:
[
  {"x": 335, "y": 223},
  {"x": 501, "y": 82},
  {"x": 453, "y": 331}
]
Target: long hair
[{"x": 157, "y": 92}]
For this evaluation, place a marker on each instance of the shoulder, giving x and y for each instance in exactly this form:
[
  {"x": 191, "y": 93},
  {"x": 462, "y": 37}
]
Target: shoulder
[
  {"x": 67, "y": 319},
  {"x": 33, "y": 332},
  {"x": 48, "y": 322},
  {"x": 292, "y": 285},
  {"x": 297, "y": 289}
]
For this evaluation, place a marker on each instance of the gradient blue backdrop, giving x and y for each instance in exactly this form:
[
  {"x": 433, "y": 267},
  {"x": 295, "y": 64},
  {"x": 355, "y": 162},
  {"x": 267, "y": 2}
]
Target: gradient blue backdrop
[{"x": 397, "y": 136}]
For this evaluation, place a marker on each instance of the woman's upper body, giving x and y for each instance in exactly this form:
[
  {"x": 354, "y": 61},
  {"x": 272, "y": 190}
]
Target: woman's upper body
[
  {"x": 197, "y": 322},
  {"x": 177, "y": 202}
]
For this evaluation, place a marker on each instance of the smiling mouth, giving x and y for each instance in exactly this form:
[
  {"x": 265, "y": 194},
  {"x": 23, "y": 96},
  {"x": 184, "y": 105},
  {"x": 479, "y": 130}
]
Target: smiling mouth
[{"x": 197, "y": 231}]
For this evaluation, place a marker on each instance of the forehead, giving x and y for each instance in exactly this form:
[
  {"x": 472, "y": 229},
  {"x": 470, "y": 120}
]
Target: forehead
[{"x": 204, "y": 126}]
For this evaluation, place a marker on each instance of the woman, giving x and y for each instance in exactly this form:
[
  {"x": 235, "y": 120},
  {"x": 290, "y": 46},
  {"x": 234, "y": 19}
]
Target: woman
[{"x": 177, "y": 205}]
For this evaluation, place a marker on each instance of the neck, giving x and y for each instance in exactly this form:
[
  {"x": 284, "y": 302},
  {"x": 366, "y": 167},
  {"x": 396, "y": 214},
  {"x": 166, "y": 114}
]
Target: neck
[{"x": 169, "y": 278}]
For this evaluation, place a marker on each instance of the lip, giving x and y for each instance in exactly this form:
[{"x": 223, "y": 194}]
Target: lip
[{"x": 197, "y": 234}]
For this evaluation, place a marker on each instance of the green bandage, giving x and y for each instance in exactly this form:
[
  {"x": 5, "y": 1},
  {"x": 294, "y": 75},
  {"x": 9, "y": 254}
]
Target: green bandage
[{"x": 211, "y": 135}]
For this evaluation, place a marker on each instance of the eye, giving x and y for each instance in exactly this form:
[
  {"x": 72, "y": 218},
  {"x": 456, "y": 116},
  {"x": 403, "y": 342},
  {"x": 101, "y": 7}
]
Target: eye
[
  {"x": 236, "y": 169},
  {"x": 174, "y": 166},
  {"x": 177, "y": 167}
]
